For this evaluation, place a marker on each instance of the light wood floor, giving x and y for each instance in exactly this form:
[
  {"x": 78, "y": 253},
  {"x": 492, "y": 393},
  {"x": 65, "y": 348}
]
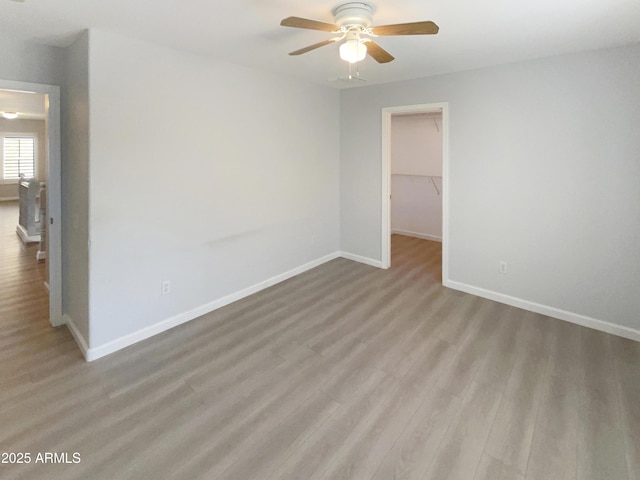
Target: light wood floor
[
  {"x": 344, "y": 372},
  {"x": 22, "y": 292}
]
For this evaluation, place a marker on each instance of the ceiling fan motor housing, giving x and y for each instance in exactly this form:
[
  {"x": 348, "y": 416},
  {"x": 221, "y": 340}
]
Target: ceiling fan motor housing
[{"x": 357, "y": 14}]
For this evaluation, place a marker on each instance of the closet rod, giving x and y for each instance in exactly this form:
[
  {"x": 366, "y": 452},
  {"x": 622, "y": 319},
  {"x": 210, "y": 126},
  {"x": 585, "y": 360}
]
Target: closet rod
[
  {"x": 416, "y": 175},
  {"x": 430, "y": 177}
]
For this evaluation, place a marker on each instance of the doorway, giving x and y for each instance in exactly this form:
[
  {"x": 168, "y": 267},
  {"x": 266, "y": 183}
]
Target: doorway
[
  {"x": 442, "y": 185},
  {"x": 53, "y": 277}
]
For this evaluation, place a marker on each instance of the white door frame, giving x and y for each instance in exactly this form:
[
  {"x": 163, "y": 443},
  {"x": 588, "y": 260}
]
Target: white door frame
[
  {"x": 386, "y": 178},
  {"x": 54, "y": 190}
]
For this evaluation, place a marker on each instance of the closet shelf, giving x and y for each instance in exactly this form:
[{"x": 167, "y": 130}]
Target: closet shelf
[
  {"x": 414, "y": 175},
  {"x": 432, "y": 178}
]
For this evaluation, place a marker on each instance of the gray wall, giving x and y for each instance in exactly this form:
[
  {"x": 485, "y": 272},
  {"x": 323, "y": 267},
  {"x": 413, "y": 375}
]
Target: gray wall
[
  {"x": 213, "y": 176},
  {"x": 75, "y": 186},
  {"x": 543, "y": 174},
  {"x": 217, "y": 177},
  {"x": 30, "y": 62}
]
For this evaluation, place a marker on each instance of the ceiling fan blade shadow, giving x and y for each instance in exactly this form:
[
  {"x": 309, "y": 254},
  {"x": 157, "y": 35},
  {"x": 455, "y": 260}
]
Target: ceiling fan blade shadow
[
  {"x": 378, "y": 53},
  {"x": 314, "y": 46},
  {"x": 298, "y": 22},
  {"x": 415, "y": 28}
]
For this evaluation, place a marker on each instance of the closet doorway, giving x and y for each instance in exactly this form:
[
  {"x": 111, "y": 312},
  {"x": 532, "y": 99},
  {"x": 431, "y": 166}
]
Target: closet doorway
[{"x": 414, "y": 176}]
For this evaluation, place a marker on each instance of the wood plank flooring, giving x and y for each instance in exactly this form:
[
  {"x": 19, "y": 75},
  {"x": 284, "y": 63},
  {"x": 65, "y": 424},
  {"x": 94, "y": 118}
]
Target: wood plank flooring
[
  {"x": 344, "y": 372},
  {"x": 22, "y": 291}
]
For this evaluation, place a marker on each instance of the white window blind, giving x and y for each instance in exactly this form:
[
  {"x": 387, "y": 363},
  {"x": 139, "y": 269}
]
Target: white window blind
[{"x": 18, "y": 157}]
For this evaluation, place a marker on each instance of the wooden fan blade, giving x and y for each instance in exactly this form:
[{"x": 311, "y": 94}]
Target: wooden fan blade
[
  {"x": 378, "y": 53},
  {"x": 416, "y": 28},
  {"x": 314, "y": 46},
  {"x": 298, "y": 22}
]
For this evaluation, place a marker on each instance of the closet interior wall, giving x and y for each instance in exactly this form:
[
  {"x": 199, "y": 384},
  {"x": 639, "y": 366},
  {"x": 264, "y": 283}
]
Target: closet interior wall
[{"x": 416, "y": 175}]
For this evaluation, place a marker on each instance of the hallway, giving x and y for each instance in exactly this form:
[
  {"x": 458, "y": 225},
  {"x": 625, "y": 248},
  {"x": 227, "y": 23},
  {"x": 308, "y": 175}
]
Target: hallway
[{"x": 27, "y": 338}]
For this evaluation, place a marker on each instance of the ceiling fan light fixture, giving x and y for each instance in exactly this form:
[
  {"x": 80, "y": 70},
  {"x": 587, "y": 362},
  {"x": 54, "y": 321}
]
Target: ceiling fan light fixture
[
  {"x": 352, "y": 20},
  {"x": 353, "y": 51},
  {"x": 10, "y": 115}
]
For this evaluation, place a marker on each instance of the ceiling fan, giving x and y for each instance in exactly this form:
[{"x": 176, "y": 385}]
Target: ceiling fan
[{"x": 353, "y": 25}]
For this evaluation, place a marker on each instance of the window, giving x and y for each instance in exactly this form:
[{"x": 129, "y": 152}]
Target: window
[{"x": 18, "y": 157}]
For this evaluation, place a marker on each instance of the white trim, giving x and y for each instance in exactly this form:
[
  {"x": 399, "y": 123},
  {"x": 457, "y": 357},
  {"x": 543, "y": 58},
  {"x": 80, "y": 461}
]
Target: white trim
[
  {"x": 93, "y": 353},
  {"x": 77, "y": 336},
  {"x": 385, "y": 194},
  {"x": 424, "y": 236},
  {"x": 445, "y": 191},
  {"x": 385, "y": 216},
  {"x": 54, "y": 189},
  {"x": 24, "y": 235},
  {"x": 41, "y": 255},
  {"x": 361, "y": 259},
  {"x": 547, "y": 310},
  {"x": 9, "y": 199}
]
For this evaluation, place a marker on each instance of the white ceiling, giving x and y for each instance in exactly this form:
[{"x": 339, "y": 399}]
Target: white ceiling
[
  {"x": 472, "y": 34},
  {"x": 27, "y": 105}
]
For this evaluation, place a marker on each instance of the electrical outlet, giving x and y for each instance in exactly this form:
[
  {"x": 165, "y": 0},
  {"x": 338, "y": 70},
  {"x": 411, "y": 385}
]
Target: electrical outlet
[
  {"x": 165, "y": 288},
  {"x": 502, "y": 266}
]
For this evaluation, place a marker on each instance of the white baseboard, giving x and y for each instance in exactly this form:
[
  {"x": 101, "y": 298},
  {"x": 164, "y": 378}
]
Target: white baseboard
[
  {"x": 93, "y": 353},
  {"x": 360, "y": 259},
  {"x": 424, "y": 236},
  {"x": 9, "y": 199},
  {"x": 77, "y": 336},
  {"x": 558, "y": 313},
  {"x": 25, "y": 237},
  {"x": 40, "y": 255}
]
